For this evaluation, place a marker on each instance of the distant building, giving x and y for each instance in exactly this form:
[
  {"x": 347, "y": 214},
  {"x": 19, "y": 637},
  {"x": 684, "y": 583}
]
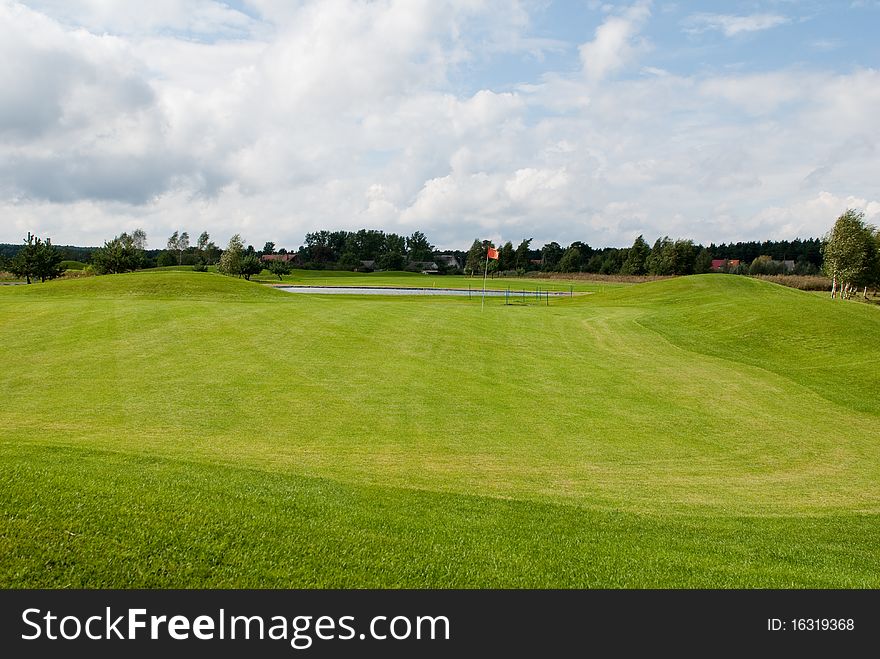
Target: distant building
[
  {"x": 720, "y": 265},
  {"x": 425, "y": 267},
  {"x": 288, "y": 258},
  {"x": 787, "y": 266},
  {"x": 448, "y": 261},
  {"x": 367, "y": 266}
]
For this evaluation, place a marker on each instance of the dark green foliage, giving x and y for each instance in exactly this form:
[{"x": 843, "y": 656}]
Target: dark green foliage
[
  {"x": 348, "y": 261},
  {"x": 521, "y": 256},
  {"x": 49, "y": 262},
  {"x": 200, "y": 267},
  {"x": 779, "y": 250},
  {"x": 550, "y": 255},
  {"x": 418, "y": 248},
  {"x": 278, "y": 268},
  {"x": 250, "y": 265},
  {"x": 659, "y": 261},
  {"x": 506, "y": 257},
  {"x": 122, "y": 254},
  {"x": 671, "y": 258},
  {"x": 585, "y": 250},
  {"x": 346, "y": 249},
  {"x": 703, "y": 262},
  {"x": 38, "y": 259},
  {"x": 570, "y": 261},
  {"x": 683, "y": 256},
  {"x": 636, "y": 258},
  {"x": 269, "y": 247},
  {"x": 606, "y": 261},
  {"x": 391, "y": 261},
  {"x": 476, "y": 256},
  {"x": 166, "y": 258}
]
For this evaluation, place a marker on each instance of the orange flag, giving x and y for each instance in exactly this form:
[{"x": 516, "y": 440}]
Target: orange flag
[{"x": 493, "y": 253}]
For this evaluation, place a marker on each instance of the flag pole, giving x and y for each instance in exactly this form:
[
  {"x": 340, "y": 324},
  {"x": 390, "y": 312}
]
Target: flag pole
[{"x": 485, "y": 272}]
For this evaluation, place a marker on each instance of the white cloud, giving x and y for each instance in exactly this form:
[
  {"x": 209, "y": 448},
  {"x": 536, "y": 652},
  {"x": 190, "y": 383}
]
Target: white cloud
[
  {"x": 195, "y": 17},
  {"x": 348, "y": 114},
  {"x": 615, "y": 43},
  {"x": 731, "y": 25}
]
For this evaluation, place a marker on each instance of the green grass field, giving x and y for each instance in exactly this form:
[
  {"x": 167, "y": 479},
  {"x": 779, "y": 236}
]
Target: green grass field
[{"x": 180, "y": 429}]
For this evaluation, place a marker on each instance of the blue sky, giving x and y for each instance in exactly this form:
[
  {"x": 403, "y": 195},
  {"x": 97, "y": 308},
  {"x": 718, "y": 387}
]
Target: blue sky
[{"x": 498, "y": 119}]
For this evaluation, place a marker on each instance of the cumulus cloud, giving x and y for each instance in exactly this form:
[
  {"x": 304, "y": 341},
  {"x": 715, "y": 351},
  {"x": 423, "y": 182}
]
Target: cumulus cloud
[
  {"x": 615, "y": 42},
  {"x": 281, "y": 118}
]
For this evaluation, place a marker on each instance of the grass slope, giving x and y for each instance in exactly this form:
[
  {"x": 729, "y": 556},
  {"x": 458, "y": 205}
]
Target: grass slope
[{"x": 199, "y": 430}]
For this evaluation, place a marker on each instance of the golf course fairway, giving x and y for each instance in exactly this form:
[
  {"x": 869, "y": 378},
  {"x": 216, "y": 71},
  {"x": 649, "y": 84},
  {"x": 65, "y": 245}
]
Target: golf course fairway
[{"x": 190, "y": 430}]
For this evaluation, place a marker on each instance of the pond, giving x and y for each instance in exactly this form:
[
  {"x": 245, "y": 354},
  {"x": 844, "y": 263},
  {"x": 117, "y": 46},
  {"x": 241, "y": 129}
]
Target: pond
[{"x": 382, "y": 290}]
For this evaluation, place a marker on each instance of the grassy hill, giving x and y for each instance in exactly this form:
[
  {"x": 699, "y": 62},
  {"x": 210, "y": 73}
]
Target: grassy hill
[{"x": 186, "y": 429}]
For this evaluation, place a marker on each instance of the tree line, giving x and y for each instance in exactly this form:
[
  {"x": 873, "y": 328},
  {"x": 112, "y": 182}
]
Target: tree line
[
  {"x": 849, "y": 254},
  {"x": 665, "y": 257},
  {"x": 347, "y": 250}
]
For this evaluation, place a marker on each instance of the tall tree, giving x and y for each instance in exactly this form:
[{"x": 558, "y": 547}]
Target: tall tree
[
  {"x": 570, "y": 261},
  {"x": 849, "y": 250},
  {"x": 230, "y": 260},
  {"x": 506, "y": 257},
  {"x": 659, "y": 261},
  {"x": 683, "y": 255},
  {"x": 208, "y": 251},
  {"x": 171, "y": 245},
  {"x": 182, "y": 246},
  {"x": 178, "y": 242},
  {"x": 139, "y": 239},
  {"x": 269, "y": 247},
  {"x": 521, "y": 257},
  {"x": 24, "y": 263},
  {"x": 703, "y": 262},
  {"x": 38, "y": 259},
  {"x": 418, "y": 248},
  {"x": 550, "y": 255},
  {"x": 118, "y": 255},
  {"x": 475, "y": 257},
  {"x": 250, "y": 265},
  {"x": 278, "y": 267},
  {"x": 636, "y": 258}
]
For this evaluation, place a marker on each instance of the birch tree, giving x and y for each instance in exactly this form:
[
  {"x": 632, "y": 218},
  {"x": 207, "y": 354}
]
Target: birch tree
[{"x": 849, "y": 252}]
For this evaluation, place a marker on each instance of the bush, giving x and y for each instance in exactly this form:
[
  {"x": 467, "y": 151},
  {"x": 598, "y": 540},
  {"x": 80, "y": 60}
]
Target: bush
[{"x": 200, "y": 267}]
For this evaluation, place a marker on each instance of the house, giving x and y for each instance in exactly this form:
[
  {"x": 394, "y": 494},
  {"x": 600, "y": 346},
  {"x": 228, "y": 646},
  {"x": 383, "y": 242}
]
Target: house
[
  {"x": 449, "y": 261},
  {"x": 367, "y": 266},
  {"x": 425, "y": 267},
  {"x": 722, "y": 265},
  {"x": 288, "y": 258},
  {"x": 787, "y": 266}
]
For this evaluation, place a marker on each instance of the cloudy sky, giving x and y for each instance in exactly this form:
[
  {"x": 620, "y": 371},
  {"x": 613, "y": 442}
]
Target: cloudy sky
[{"x": 499, "y": 119}]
